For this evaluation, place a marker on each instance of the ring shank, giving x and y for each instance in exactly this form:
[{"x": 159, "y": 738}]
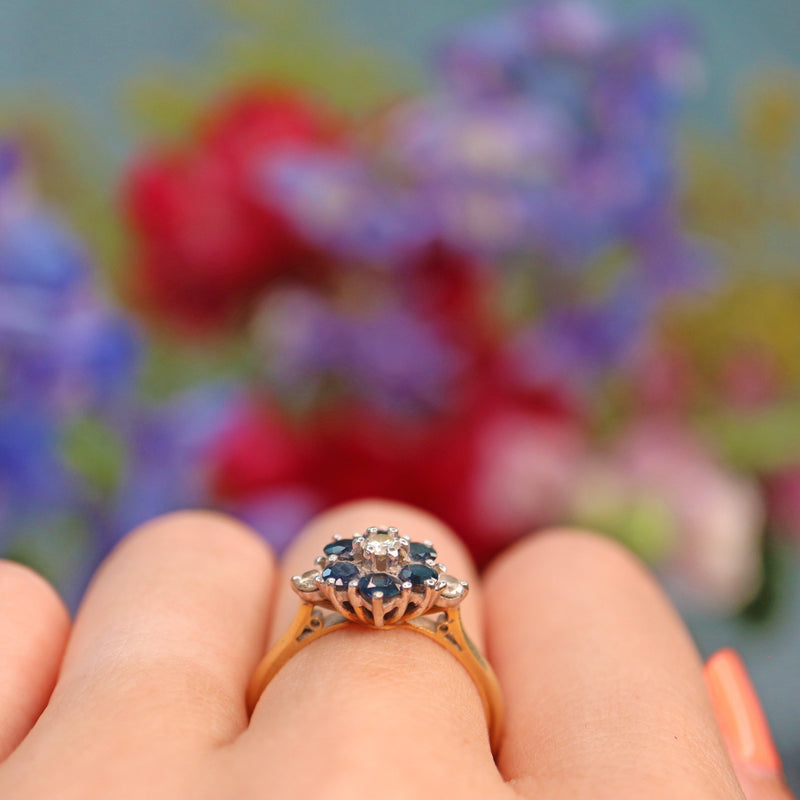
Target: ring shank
[{"x": 445, "y": 628}]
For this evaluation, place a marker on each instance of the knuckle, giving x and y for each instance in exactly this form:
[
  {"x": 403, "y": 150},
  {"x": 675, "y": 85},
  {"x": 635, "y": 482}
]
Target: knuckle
[
  {"x": 30, "y": 589},
  {"x": 210, "y": 532},
  {"x": 583, "y": 554},
  {"x": 370, "y": 511}
]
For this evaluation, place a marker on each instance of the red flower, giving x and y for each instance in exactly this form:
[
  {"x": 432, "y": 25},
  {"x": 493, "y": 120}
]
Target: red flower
[
  {"x": 445, "y": 285},
  {"x": 750, "y": 379},
  {"x": 359, "y": 452},
  {"x": 207, "y": 242},
  {"x": 203, "y": 247},
  {"x": 259, "y": 122},
  {"x": 783, "y": 500},
  {"x": 663, "y": 380},
  {"x": 500, "y": 469},
  {"x": 258, "y": 450},
  {"x": 493, "y": 471}
]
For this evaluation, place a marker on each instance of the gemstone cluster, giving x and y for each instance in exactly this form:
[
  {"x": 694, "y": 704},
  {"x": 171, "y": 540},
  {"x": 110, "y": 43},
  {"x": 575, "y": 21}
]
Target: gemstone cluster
[{"x": 380, "y": 578}]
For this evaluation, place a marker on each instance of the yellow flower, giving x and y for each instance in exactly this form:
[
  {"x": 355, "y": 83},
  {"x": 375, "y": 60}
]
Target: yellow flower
[{"x": 770, "y": 114}]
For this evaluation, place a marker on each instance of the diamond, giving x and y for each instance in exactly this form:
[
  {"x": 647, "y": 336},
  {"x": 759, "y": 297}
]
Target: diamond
[
  {"x": 307, "y": 581},
  {"x": 454, "y": 588},
  {"x": 381, "y": 542}
]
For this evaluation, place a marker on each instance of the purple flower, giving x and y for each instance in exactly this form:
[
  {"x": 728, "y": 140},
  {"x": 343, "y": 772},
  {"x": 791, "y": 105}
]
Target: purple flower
[
  {"x": 560, "y": 151},
  {"x": 384, "y": 354},
  {"x": 494, "y": 56},
  {"x": 670, "y": 262},
  {"x": 9, "y": 160},
  {"x": 67, "y": 359},
  {"x": 62, "y": 346},
  {"x": 33, "y": 478},
  {"x": 548, "y": 146},
  {"x": 341, "y": 207},
  {"x": 279, "y": 514},
  {"x": 169, "y": 456},
  {"x": 567, "y": 28},
  {"x": 576, "y": 343},
  {"x": 38, "y": 255}
]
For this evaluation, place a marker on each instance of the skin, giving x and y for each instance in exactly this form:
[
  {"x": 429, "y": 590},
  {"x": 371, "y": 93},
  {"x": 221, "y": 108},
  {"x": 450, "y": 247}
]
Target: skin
[{"x": 143, "y": 696}]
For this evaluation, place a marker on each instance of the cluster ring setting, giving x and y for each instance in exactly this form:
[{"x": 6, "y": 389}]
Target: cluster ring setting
[{"x": 382, "y": 580}]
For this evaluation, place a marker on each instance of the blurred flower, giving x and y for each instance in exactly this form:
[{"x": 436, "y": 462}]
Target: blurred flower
[
  {"x": 548, "y": 150},
  {"x": 457, "y": 294},
  {"x": 572, "y": 346},
  {"x": 703, "y": 520},
  {"x": 32, "y": 476},
  {"x": 337, "y": 204},
  {"x": 170, "y": 463},
  {"x": 256, "y": 449},
  {"x": 384, "y": 355},
  {"x": 204, "y": 248},
  {"x": 279, "y": 513},
  {"x": 68, "y": 362},
  {"x": 770, "y": 117},
  {"x": 750, "y": 380},
  {"x": 260, "y": 122},
  {"x": 61, "y": 346},
  {"x": 662, "y": 380},
  {"x": 451, "y": 304},
  {"x": 524, "y": 474},
  {"x": 566, "y": 152},
  {"x": 494, "y": 55},
  {"x": 358, "y": 451},
  {"x": 495, "y": 469},
  {"x": 206, "y": 241},
  {"x": 783, "y": 498}
]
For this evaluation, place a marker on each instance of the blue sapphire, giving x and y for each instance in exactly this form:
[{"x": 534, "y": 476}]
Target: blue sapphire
[
  {"x": 417, "y": 574},
  {"x": 343, "y": 548},
  {"x": 379, "y": 582},
  {"x": 341, "y": 571},
  {"x": 421, "y": 552}
]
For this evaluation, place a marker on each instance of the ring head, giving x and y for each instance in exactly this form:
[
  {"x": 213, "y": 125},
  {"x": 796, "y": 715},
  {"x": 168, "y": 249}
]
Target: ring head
[{"x": 379, "y": 578}]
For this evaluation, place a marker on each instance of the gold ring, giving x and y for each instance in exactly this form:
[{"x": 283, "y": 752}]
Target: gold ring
[{"x": 383, "y": 580}]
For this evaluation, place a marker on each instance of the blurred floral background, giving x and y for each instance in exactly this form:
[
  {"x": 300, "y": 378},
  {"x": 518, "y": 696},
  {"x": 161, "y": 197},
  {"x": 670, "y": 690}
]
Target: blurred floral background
[{"x": 520, "y": 264}]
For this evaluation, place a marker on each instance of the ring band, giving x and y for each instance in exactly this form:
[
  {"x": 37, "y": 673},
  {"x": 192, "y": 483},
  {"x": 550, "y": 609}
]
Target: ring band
[{"x": 382, "y": 580}]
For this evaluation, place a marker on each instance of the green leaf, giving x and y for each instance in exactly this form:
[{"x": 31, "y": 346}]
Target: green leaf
[
  {"x": 95, "y": 452},
  {"x": 757, "y": 441},
  {"x": 56, "y": 546},
  {"x": 775, "y": 585}
]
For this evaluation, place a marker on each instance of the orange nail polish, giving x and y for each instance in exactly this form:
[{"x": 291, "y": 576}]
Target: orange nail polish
[{"x": 739, "y": 714}]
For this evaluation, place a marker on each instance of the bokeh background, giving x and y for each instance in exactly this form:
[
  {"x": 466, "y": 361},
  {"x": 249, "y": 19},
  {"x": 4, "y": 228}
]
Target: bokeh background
[{"x": 521, "y": 264}]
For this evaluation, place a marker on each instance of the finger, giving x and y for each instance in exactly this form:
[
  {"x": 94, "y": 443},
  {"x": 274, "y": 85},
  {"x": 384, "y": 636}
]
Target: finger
[
  {"x": 744, "y": 728},
  {"x": 34, "y": 625},
  {"x": 603, "y": 684},
  {"x": 162, "y": 646},
  {"x": 355, "y": 693}
]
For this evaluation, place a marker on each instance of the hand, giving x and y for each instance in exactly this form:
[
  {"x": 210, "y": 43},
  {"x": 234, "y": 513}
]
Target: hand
[{"x": 603, "y": 686}]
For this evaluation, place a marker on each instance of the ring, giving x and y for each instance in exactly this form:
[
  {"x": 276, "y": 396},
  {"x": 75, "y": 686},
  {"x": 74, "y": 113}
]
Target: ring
[{"x": 385, "y": 581}]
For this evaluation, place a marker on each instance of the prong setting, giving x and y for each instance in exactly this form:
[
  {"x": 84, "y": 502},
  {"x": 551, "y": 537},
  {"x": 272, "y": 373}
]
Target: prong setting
[{"x": 379, "y": 578}]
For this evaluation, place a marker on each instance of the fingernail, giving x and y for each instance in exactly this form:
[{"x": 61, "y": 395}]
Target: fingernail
[{"x": 739, "y": 713}]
